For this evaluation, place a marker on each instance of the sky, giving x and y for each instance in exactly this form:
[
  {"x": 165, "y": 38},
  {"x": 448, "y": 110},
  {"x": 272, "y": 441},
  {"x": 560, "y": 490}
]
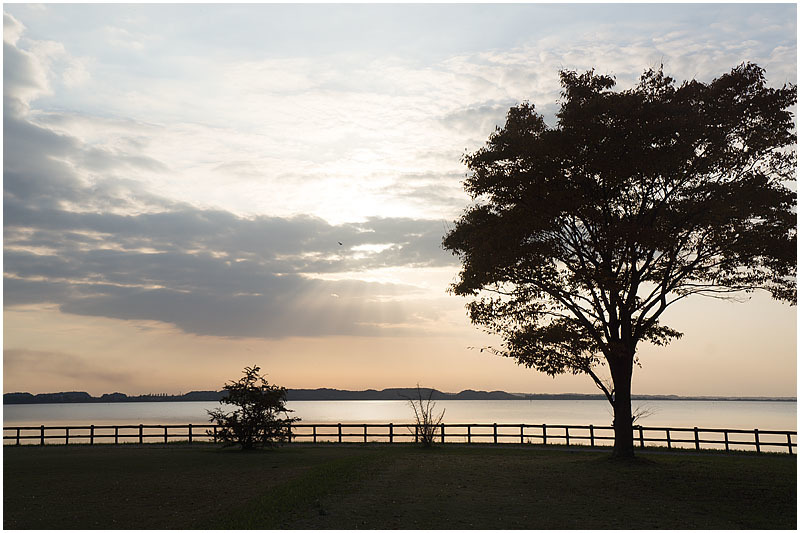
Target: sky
[{"x": 191, "y": 189}]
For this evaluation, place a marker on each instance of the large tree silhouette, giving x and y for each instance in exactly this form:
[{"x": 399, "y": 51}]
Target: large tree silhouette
[{"x": 582, "y": 234}]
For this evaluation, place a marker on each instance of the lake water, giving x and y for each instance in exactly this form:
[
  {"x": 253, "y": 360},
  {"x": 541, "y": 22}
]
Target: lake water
[{"x": 764, "y": 415}]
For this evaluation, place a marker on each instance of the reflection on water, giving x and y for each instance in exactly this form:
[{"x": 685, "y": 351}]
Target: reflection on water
[{"x": 674, "y": 413}]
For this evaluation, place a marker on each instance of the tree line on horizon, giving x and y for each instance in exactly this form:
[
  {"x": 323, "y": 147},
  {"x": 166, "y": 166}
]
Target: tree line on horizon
[{"x": 322, "y": 394}]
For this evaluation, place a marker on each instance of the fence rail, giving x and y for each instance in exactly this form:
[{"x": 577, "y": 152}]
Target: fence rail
[{"x": 569, "y": 435}]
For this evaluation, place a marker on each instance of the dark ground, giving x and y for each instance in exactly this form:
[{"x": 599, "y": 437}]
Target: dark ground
[{"x": 387, "y": 487}]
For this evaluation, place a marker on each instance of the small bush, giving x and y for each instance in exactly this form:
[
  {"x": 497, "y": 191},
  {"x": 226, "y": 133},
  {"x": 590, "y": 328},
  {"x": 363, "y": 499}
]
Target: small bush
[
  {"x": 427, "y": 422},
  {"x": 261, "y": 418}
]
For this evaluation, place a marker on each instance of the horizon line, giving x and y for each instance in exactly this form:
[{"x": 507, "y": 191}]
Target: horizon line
[{"x": 597, "y": 394}]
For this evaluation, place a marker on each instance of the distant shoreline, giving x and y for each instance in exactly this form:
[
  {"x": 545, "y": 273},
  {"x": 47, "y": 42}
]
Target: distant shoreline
[{"x": 325, "y": 394}]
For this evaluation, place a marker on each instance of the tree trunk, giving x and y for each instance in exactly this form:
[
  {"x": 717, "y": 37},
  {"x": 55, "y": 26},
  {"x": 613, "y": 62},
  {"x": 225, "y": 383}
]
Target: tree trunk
[{"x": 621, "y": 373}]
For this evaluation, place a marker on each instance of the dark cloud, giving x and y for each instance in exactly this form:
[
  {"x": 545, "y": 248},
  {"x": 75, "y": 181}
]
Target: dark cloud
[
  {"x": 34, "y": 291},
  {"x": 210, "y": 272},
  {"x": 290, "y": 306}
]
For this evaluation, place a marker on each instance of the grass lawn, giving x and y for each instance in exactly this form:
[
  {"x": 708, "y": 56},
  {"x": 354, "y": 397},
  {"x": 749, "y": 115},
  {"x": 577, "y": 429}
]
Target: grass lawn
[{"x": 386, "y": 487}]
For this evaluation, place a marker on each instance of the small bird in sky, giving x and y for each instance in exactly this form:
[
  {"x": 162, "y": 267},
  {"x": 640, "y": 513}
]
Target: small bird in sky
[{"x": 340, "y": 243}]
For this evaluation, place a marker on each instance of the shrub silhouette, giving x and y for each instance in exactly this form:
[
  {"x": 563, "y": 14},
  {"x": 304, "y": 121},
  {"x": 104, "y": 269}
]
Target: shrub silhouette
[
  {"x": 426, "y": 420},
  {"x": 261, "y": 416}
]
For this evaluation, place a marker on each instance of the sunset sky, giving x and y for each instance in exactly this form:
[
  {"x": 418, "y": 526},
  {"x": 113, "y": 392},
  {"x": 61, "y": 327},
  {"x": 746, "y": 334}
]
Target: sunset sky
[{"x": 178, "y": 179}]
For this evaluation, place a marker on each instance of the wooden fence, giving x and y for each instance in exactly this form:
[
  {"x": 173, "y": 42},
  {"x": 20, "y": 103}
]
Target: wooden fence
[{"x": 569, "y": 435}]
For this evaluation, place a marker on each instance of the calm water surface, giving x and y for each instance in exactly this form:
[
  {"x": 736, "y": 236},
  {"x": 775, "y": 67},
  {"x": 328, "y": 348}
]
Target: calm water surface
[{"x": 763, "y": 415}]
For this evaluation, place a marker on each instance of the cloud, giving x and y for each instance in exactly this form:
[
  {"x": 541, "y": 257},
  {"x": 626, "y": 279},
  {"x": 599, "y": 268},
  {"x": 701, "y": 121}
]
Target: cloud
[
  {"x": 288, "y": 306},
  {"x": 28, "y": 72},
  {"x": 81, "y": 245},
  {"x": 44, "y": 169},
  {"x": 12, "y": 29},
  {"x": 82, "y": 235},
  {"x": 146, "y": 200},
  {"x": 260, "y": 126},
  {"x": 213, "y": 273},
  {"x": 62, "y": 66},
  {"x": 24, "y": 79},
  {"x": 208, "y": 271},
  {"x": 43, "y": 365},
  {"x": 122, "y": 38},
  {"x": 479, "y": 118},
  {"x": 207, "y": 295}
]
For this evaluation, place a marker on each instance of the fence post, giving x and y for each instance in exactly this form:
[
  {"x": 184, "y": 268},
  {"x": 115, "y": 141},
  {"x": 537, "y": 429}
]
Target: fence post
[
  {"x": 289, "y": 432},
  {"x": 17, "y": 436},
  {"x": 495, "y": 435}
]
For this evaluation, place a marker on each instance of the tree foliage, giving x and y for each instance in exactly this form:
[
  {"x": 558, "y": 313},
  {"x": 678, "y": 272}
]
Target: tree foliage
[
  {"x": 584, "y": 233},
  {"x": 260, "y": 418}
]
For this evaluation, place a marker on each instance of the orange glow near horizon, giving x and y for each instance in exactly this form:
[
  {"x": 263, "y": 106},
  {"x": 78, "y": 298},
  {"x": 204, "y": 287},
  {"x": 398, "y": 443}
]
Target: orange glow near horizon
[{"x": 721, "y": 338}]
